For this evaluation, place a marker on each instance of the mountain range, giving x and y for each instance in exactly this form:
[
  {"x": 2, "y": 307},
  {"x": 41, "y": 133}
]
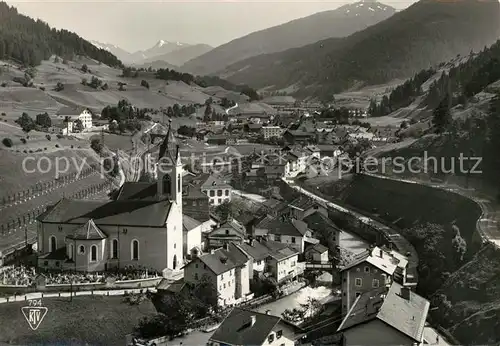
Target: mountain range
[
  {"x": 340, "y": 22},
  {"x": 171, "y": 53},
  {"x": 424, "y": 34}
]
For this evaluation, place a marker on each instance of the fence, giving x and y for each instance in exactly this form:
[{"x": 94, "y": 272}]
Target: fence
[
  {"x": 45, "y": 187},
  {"x": 80, "y": 287},
  {"x": 29, "y": 217},
  {"x": 38, "y": 295}
]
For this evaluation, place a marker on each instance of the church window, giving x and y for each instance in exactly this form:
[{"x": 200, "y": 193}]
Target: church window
[
  {"x": 175, "y": 245},
  {"x": 135, "y": 249},
  {"x": 179, "y": 183},
  {"x": 59, "y": 228},
  {"x": 114, "y": 248},
  {"x": 70, "y": 251},
  {"x": 93, "y": 253},
  {"x": 167, "y": 188},
  {"x": 81, "y": 250},
  {"x": 52, "y": 244}
]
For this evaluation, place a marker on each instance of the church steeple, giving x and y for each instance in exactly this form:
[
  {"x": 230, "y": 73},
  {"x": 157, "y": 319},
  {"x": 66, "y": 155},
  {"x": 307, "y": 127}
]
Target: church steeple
[
  {"x": 169, "y": 169},
  {"x": 169, "y": 149}
]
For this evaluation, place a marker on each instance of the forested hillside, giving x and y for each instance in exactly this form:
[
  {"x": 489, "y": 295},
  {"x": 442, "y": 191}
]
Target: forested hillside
[
  {"x": 29, "y": 42},
  {"x": 460, "y": 83},
  {"x": 425, "y": 34}
]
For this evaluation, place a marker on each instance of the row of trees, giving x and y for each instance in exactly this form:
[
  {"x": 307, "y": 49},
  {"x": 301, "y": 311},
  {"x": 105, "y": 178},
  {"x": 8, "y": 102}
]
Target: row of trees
[
  {"x": 29, "y": 41},
  {"x": 43, "y": 187},
  {"x": 402, "y": 96}
]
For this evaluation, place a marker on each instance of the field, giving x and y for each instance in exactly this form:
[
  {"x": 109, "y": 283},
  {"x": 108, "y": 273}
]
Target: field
[
  {"x": 85, "y": 320},
  {"x": 15, "y": 99}
]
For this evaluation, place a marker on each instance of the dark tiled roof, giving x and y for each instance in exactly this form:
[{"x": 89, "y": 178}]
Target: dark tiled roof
[
  {"x": 284, "y": 226},
  {"x": 188, "y": 223},
  {"x": 70, "y": 111},
  {"x": 237, "y": 328},
  {"x": 320, "y": 223},
  {"x": 256, "y": 250},
  {"x": 88, "y": 231},
  {"x": 303, "y": 203},
  {"x": 405, "y": 315},
  {"x": 221, "y": 260},
  {"x": 213, "y": 182},
  {"x": 137, "y": 190},
  {"x": 279, "y": 251},
  {"x": 126, "y": 213},
  {"x": 59, "y": 254},
  {"x": 273, "y": 203},
  {"x": 319, "y": 248}
]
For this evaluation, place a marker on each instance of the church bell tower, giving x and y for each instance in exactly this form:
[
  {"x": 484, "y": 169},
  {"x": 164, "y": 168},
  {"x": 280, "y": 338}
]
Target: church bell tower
[{"x": 169, "y": 170}]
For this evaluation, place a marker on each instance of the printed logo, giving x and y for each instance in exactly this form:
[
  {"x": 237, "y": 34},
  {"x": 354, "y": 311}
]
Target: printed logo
[{"x": 34, "y": 313}]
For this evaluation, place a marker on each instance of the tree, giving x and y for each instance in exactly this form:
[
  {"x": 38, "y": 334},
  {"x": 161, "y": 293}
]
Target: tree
[
  {"x": 43, "y": 120},
  {"x": 26, "y": 122},
  {"x": 85, "y": 68},
  {"x": 95, "y": 82},
  {"x": 186, "y": 131},
  {"x": 78, "y": 126},
  {"x": 145, "y": 84},
  {"x": 458, "y": 244},
  {"x": 59, "y": 86},
  {"x": 121, "y": 86},
  {"x": 441, "y": 117}
]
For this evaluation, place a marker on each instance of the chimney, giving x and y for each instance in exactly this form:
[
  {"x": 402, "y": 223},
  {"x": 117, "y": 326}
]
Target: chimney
[
  {"x": 212, "y": 251},
  {"x": 381, "y": 253},
  {"x": 405, "y": 293},
  {"x": 226, "y": 246},
  {"x": 268, "y": 312},
  {"x": 253, "y": 319}
]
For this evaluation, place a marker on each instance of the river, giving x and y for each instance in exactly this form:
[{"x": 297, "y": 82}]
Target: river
[{"x": 275, "y": 308}]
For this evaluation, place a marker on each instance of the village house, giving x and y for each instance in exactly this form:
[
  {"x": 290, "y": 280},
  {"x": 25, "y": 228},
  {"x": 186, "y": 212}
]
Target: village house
[
  {"x": 230, "y": 230},
  {"x": 371, "y": 269},
  {"x": 272, "y": 131},
  {"x": 60, "y": 127},
  {"x": 299, "y": 137},
  {"x": 282, "y": 229},
  {"x": 316, "y": 253},
  {"x": 217, "y": 190},
  {"x": 82, "y": 114},
  {"x": 245, "y": 327},
  {"x": 386, "y": 316},
  {"x": 214, "y": 139},
  {"x": 322, "y": 226},
  {"x": 228, "y": 272},
  {"x": 142, "y": 227},
  {"x": 272, "y": 260}
]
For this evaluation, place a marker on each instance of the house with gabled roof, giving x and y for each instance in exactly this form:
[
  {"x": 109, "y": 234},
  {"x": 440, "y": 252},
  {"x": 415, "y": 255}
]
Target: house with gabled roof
[
  {"x": 227, "y": 269},
  {"x": 231, "y": 230},
  {"x": 217, "y": 190},
  {"x": 386, "y": 316},
  {"x": 370, "y": 269},
  {"x": 245, "y": 327}
]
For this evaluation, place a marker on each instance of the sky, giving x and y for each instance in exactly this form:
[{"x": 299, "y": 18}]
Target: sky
[{"x": 138, "y": 25}]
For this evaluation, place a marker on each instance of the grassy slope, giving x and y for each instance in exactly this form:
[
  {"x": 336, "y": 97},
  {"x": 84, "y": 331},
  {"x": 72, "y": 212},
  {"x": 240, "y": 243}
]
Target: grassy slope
[{"x": 86, "y": 320}]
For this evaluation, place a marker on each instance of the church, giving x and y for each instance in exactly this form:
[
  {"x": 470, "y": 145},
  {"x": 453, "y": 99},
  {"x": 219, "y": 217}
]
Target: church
[{"x": 142, "y": 227}]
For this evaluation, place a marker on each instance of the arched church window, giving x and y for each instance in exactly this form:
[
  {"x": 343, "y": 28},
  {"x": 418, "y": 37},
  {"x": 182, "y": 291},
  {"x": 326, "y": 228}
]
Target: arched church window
[
  {"x": 167, "y": 182},
  {"x": 93, "y": 253},
  {"x": 135, "y": 249},
  {"x": 179, "y": 183},
  {"x": 52, "y": 244}
]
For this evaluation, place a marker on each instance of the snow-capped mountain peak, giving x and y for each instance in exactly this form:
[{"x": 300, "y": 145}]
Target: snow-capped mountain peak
[{"x": 366, "y": 6}]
